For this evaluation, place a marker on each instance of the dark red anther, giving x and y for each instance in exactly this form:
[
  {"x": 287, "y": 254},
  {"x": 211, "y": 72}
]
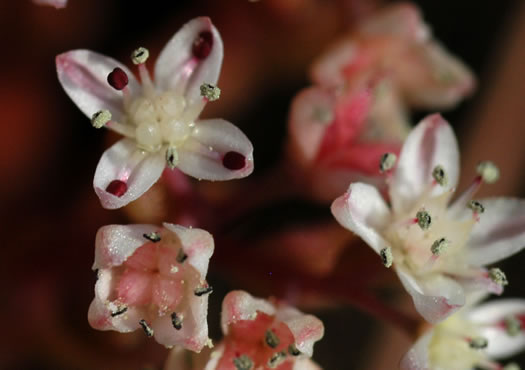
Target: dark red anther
[
  {"x": 234, "y": 161},
  {"x": 202, "y": 45},
  {"x": 117, "y": 187},
  {"x": 118, "y": 79}
]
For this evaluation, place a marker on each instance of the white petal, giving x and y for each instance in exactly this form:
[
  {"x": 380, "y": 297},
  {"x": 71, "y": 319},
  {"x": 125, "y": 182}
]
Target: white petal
[
  {"x": 432, "y": 142},
  {"x": 83, "y": 75},
  {"x": 125, "y": 162},
  {"x": 305, "y": 363},
  {"x": 417, "y": 357},
  {"x": 362, "y": 210},
  {"x": 115, "y": 243},
  {"x": 435, "y": 297},
  {"x": 500, "y": 231},
  {"x": 328, "y": 70},
  {"x": 197, "y": 244},
  {"x": 202, "y": 154},
  {"x": 239, "y": 305},
  {"x": 500, "y": 343},
  {"x": 176, "y": 66}
]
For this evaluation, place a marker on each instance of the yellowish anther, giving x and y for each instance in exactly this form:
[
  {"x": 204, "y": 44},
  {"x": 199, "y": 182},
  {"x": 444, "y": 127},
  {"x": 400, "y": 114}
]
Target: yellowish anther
[
  {"x": 172, "y": 157},
  {"x": 387, "y": 162},
  {"x": 439, "y": 246},
  {"x": 476, "y": 206},
  {"x": 140, "y": 55},
  {"x": 498, "y": 276},
  {"x": 479, "y": 343},
  {"x": 276, "y": 359},
  {"x": 512, "y": 325},
  {"x": 243, "y": 362},
  {"x": 439, "y": 174},
  {"x": 386, "y": 256},
  {"x": 100, "y": 118},
  {"x": 423, "y": 219},
  {"x": 512, "y": 366},
  {"x": 271, "y": 339},
  {"x": 488, "y": 171},
  {"x": 210, "y": 92}
]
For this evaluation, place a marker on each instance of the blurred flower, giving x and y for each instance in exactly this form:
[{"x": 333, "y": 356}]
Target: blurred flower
[
  {"x": 159, "y": 120},
  {"x": 153, "y": 278},
  {"x": 438, "y": 250},
  {"x": 260, "y": 334},
  {"x": 471, "y": 338},
  {"x": 59, "y": 4}
]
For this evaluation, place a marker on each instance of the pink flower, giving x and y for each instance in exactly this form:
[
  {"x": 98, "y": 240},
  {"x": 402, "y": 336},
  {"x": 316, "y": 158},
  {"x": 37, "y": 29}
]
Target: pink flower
[
  {"x": 59, "y": 4},
  {"x": 438, "y": 250},
  {"x": 153, "y": 278},
  {"x": 260, "y": 334},
  {"x": 160, "y": 118},
  {"x": 471, "y": 338}
]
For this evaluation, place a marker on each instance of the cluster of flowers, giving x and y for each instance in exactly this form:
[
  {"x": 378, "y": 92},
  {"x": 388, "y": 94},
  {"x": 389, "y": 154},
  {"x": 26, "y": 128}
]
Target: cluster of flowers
[{"x": 349, "y": 127}]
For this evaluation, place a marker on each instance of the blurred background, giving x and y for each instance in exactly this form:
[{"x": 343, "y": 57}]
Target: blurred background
[{"x": 49, "y": 151}]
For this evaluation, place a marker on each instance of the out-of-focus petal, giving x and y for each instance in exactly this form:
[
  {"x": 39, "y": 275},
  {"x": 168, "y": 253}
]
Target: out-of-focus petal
[
  {"x": 59, "y": 4},
  {"x": 499, "y": 233},
  {"x": 239, "y": 305},
  {"x": 362, "y": 210},
  {"x": 432, "y": 142},
  {"x": 204, "y": 154},
  {"x": 435, "y": 297},
  {"x": 177, "y": 67},
  {"x": 124, "y": 162},
  {"x": 328, "y": 70},
  {"x": 417, "y": 357},
  {"x": 83, "y": 75}
]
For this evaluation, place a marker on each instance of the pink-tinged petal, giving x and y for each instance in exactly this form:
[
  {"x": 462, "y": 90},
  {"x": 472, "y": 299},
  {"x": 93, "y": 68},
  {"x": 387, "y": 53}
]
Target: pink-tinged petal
[
  {"x": 58, "y": 4},
  {"x": 499, "y": 233},
  {"x": 490, "y": 316},
  {"x": 417, "y": 358},
  {"x": 131, "y": 167},
  {"x": 239, "y": 305},
  {"x": 435, "y": 297},
  {"x": 197, "y": 244},
  {"x": 216, "y": 150},
  {"x": 134, "y": 288},
  {"x": 115, "y": 243},
  {"x": 144, "y": 259},
  {"x": 83, "y": 75},
  {"x": 306, "y": 329},
  {"x": 432, "y": 142},
  {"x": 362, "y": 210},
  {"x": 167, "y": 292},
  {"x": 180, "y": 67},
  {"x": 329, "y": 69},
  {"x": 480, "y": 282}
]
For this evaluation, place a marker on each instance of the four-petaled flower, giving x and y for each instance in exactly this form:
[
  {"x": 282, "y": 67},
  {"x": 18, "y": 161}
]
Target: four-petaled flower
[
  {"x": 160, "y": 118},
  {"x": 153, "y": 278},
  {"x": 438, "y": 250}
]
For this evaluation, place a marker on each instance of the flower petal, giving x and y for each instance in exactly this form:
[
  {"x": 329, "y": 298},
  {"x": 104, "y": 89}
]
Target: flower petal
[
  {"x": 489, "y": 316},
  {"x": 203, "y": 154},
  {"x": 362, "y": 210},
  {"x": 417, "y": 357},
  {"x": 432, "y": 142},
  {"x": 499, "y": 233},
  {"x": 329, "y": 69},
  {"x": 177, "y": 68},
  {"x": 125, "y": 162},
  {"x": 83, "y": 75},
  {"x": 239, "y": 305},
  {"x": 435, "y": 297},
  {"x": 305, "y": 363},
  {"x": 115, "y": 243}
]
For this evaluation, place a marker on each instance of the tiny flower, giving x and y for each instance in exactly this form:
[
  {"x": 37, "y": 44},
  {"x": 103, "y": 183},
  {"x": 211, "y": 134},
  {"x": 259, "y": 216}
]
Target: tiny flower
[
  {"x": 471, "y": 338},
  {"x": 144, "y": 284},
  {"x": 441, "y": 261},
  {"x": 159, "y": 117}
]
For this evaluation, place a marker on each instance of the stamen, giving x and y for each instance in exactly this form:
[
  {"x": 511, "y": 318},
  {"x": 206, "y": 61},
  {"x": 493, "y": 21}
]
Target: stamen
[
  {"x": 476, "y": 206},
  {"x": 478, "y": 343},
  {"x": 234, "y": 161},
  {"x": 243, "y": 362},
  {"x": 145, "y": 78},
  {"x": 439, "y": 246},
  {"x": 100, "y": 118},
  {"x": 488, "y": 171},
  {"x": 439, "y": 175},
  {"x": 176, "y": 321},
  {"x": 152, "y": 237},
  {"x": 139, "y": 56},
  {"x": 276, "y": 359},
  {"x": 512, "y": 366},
  {"x": 181, "y": 256},
  {"x": 203, "y": 290},
  {"x": 118, "y": 79},
  {"x": 387, "y": 162},
  {"x": 292, "y": 349},
  {"x": 172, "y": 157},
  {"x": 210, "y": 92},
  {"x": 512, "y": 325},
  {"x": 147, "y": 329},
  {"x": 423, "y": 219},
  {"x": 120, "y": 310},
  {"x": 202, "y": 45},
  {"x": 386, "y": 256},
  {"x": 498, "y": 276},
  {"x": 271, "y": 339},
  {"x": 117, "y": 187}
]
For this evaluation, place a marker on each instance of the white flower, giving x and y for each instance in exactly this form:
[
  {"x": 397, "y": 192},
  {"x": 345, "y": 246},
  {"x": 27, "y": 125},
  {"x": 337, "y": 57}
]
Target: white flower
[
  {"x": 437, "y": 260},
  {"x": 475, "y": 336},
  {"x": 158, "y": 118}
]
